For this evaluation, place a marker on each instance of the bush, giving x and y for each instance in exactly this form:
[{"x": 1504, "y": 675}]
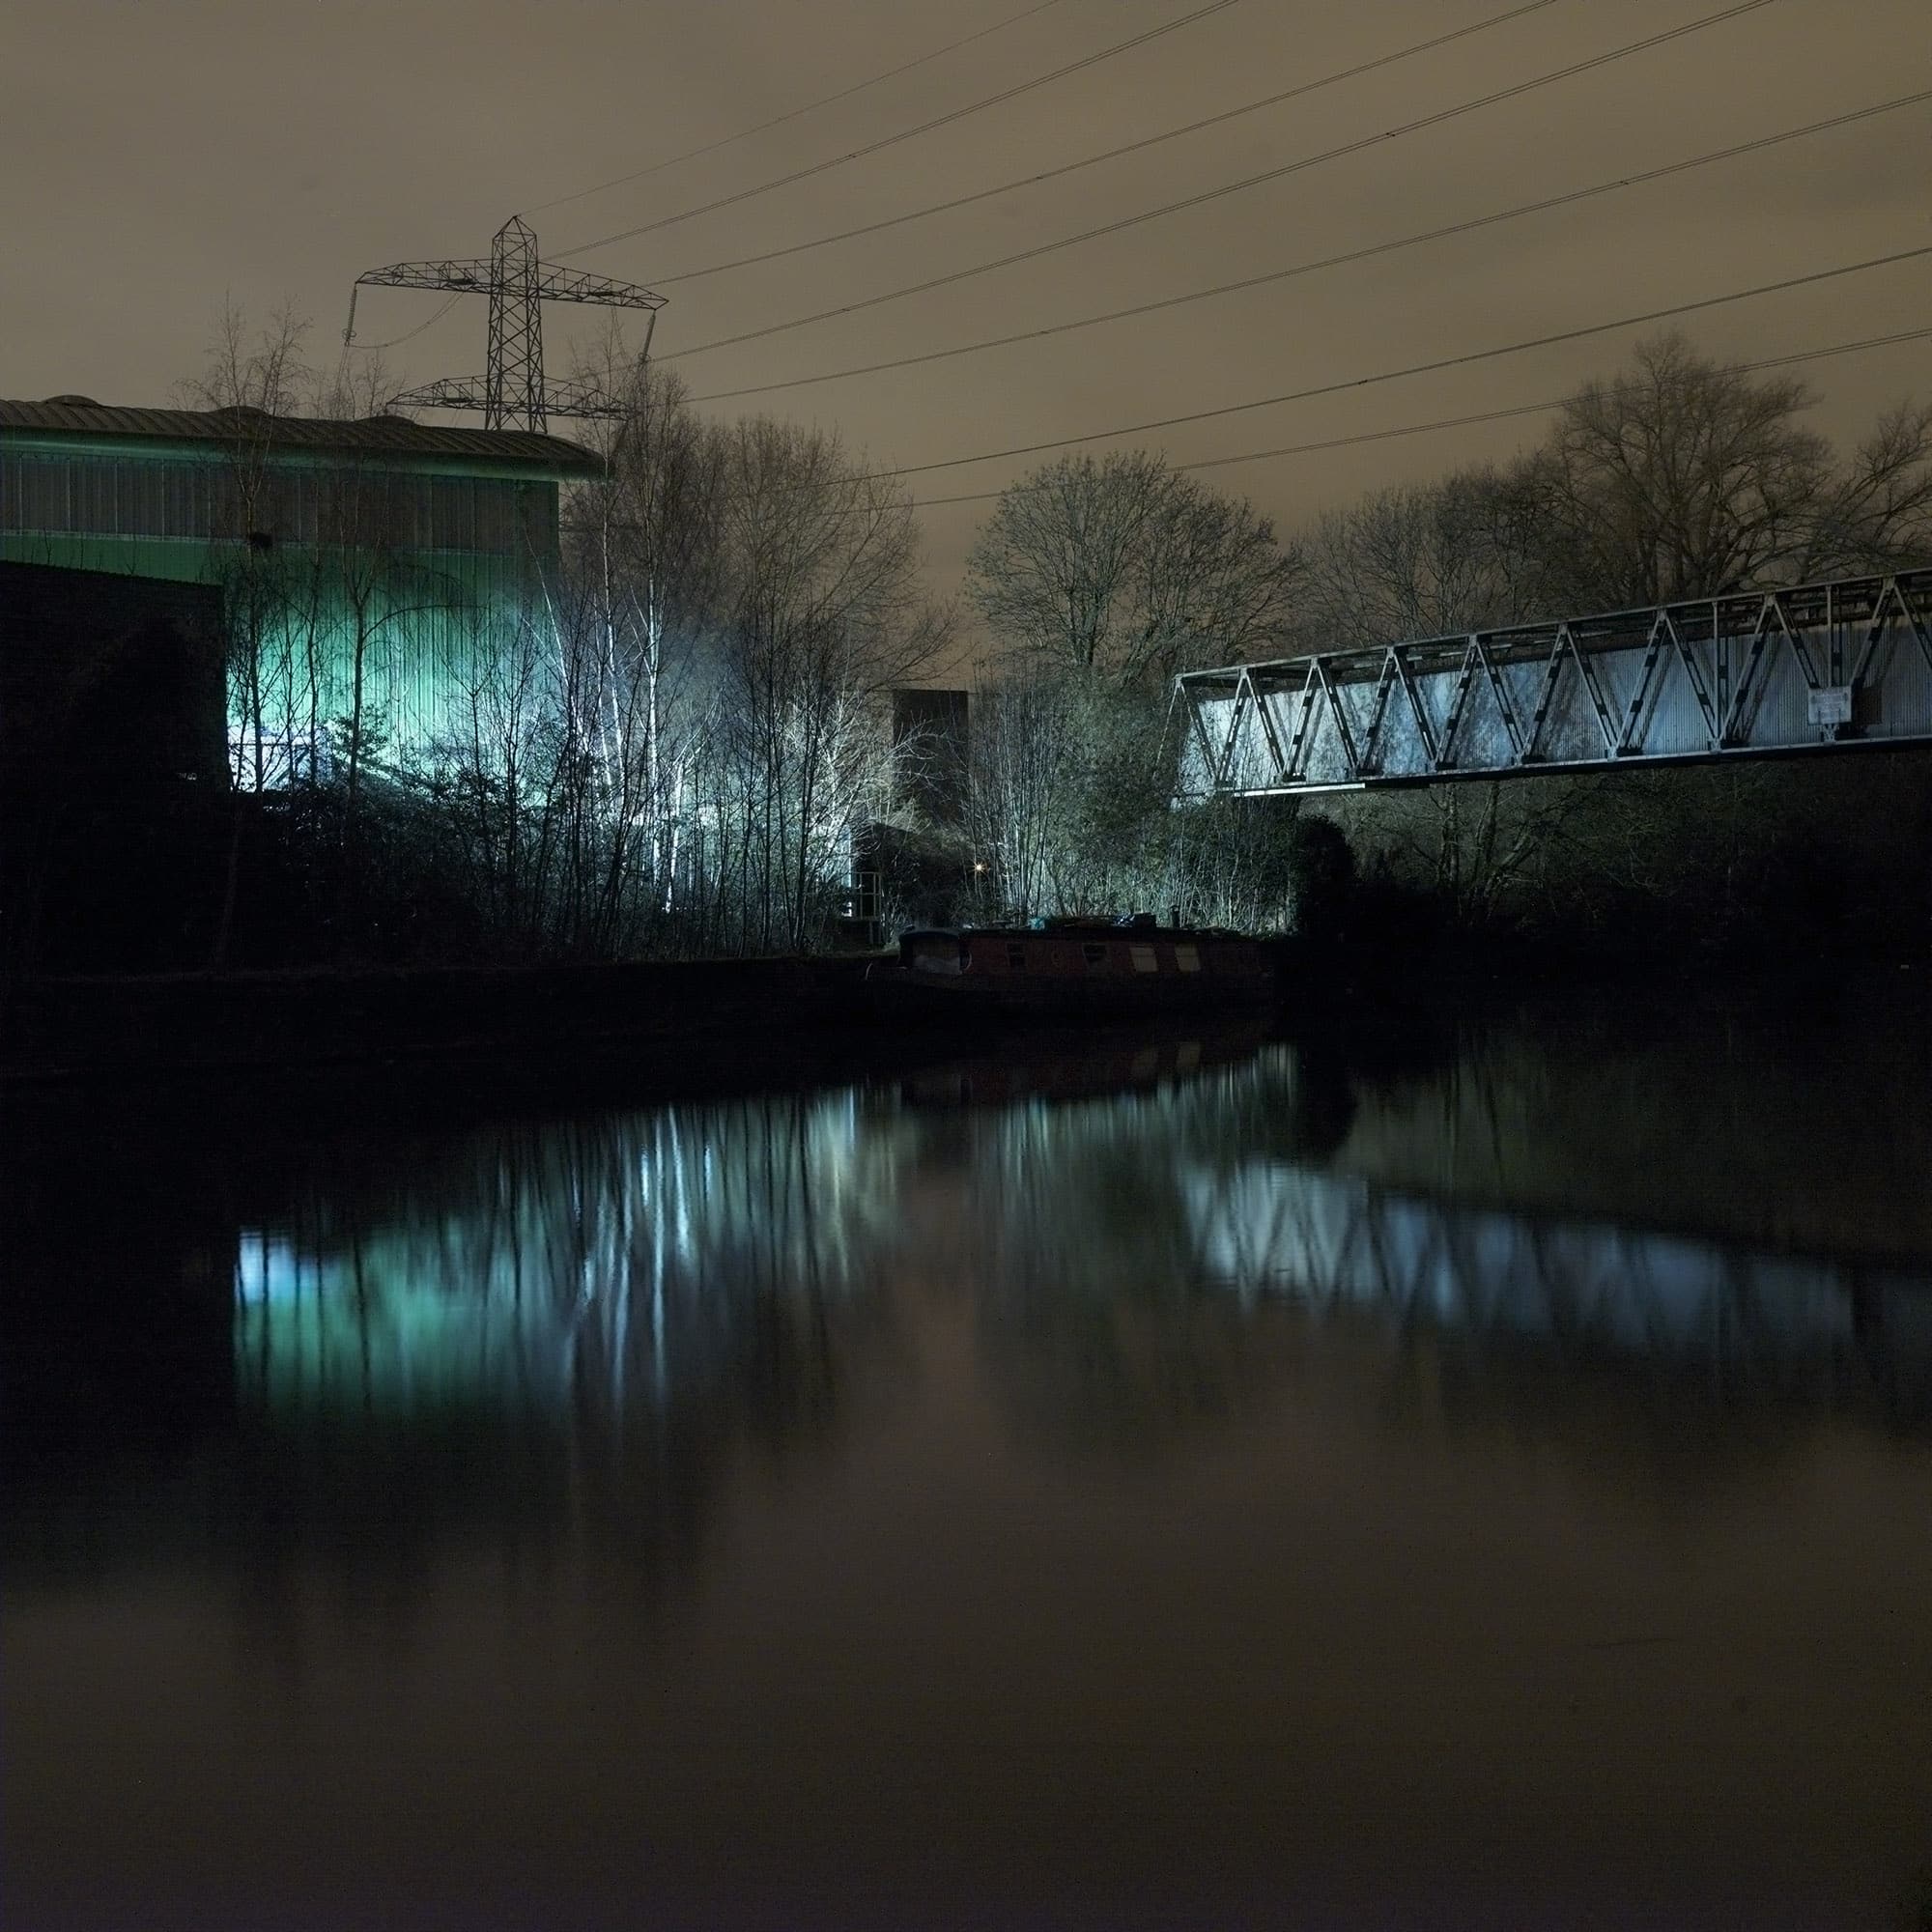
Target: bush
[{"x": 1322, "y": 875}]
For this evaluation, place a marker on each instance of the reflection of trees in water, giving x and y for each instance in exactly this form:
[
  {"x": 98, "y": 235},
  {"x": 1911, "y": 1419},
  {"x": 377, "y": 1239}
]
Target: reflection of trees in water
[
  {"x": 1623, "y": 1427},
  {"x": 1090, "y": 1272},
  {"x": 1797, "y": 1121},
  {"x": 542, "y": 1337},
  {"x": 533, "y": 1340},
  {"x": 601, "y": 1267}
]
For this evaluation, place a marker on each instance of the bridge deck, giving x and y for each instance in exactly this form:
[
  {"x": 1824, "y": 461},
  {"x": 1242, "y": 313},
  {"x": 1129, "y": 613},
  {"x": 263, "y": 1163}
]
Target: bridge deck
[{"x": 1756, "y": 673}]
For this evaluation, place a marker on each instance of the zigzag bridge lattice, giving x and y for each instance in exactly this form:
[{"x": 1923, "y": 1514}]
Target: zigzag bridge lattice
[{"x": 1821, "y": 665}]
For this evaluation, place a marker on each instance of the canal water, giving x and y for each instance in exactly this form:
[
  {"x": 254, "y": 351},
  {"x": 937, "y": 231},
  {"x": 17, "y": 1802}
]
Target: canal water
[{"x": 1425, "y": 1471}]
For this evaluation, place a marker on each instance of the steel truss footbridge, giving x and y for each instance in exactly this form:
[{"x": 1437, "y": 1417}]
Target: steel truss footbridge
[{"x": 1759, "y": 674}]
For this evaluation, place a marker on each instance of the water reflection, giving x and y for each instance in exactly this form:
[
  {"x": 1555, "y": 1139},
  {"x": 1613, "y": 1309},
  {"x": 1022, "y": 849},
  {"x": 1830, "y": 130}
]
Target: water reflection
[
  {"x": 1185, "y": 1461},
  {"x": 1129, "y": 1253},
  {"x": 528, "y": 1331},
  {"x": 582, "y": 1268},
  {"x": 1131, "y": 1223},
  {"x": 1585, "y": 1291}
]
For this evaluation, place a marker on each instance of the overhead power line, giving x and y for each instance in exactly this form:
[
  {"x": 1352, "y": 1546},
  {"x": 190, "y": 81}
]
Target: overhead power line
[
  {"x": 1458, "y": 422},
  {"x": 793, "y": 114},
  {"x": 407, "y": 335},
  {"x": 1763, "y": 362},
  {"x": 1369, "y": 252},
  {"x": 910, "y": 133},
  {"x": 1429, "y": 368},
  {"x": 1126, "y": 221},
  {"x": 1126, "y": 148}
]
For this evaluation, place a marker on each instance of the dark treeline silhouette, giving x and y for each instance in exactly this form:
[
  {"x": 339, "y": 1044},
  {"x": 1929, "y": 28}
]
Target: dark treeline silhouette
[
  {"x": 649, "y": 733},
  {"x": 1679, "y": 477},
  {"x": 660, "y": 732}
]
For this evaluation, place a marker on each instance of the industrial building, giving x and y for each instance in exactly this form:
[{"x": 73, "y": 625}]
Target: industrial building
[{"x": 361, "y": 564}]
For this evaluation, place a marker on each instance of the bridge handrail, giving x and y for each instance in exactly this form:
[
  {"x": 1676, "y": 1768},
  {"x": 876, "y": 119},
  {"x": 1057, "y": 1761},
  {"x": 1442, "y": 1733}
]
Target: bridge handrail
[{"x": 1842, "y": 600}]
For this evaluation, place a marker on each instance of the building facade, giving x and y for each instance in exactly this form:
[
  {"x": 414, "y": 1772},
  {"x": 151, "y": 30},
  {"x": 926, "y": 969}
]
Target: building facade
[{"x": 366, "y": 569}]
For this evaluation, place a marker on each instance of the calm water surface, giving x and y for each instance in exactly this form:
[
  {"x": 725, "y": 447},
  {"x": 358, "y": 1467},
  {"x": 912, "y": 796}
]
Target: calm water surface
[{"x": 1484, "y": 1480}]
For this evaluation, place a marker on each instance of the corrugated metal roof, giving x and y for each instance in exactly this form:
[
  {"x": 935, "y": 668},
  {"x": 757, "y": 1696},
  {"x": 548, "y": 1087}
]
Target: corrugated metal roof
[{"x": 396, "y": 435}]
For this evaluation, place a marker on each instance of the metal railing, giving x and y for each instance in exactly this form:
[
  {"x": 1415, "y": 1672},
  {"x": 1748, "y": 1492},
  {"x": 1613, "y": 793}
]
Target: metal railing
[{"x": 1759, "y": 673}]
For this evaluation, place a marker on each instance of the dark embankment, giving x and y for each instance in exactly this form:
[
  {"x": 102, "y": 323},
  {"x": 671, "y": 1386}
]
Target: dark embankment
[{"x": 132, "y": 1024}]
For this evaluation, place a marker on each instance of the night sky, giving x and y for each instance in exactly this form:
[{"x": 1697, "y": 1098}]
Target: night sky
[{"x": 160, "y": 157}]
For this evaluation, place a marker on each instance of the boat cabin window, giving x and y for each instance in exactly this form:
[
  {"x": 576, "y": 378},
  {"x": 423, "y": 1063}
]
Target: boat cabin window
[
  {"x": 1144, "y": 959},
  {"x": 1094, "y": 955}
]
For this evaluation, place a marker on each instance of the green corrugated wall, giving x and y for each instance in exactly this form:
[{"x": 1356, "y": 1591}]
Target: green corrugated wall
[{"x": 426, "y": 619}]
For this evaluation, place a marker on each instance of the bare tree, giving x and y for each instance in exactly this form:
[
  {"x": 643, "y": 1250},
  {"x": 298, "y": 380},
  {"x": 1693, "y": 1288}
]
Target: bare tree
[
  {"x": 1423, "y": 559},
  {"x": 644, "y": 549},
  {"x": 1678, "y": 478},
  {"x": 1878, "y": 514},
  {"x": 1017, "y": 789},
  {"x": 255, "y": 379},
  {"x": 278, "y": 603},
  {"x": 674, "y": 752},
  {"x": 252, "y": 375},
  {"x": 1681, "y": 478},
  {"x": 361, "y": 384},
  {"x": 1123, "y": 570},
  {"x": 487, "y": 777},
  {"x": 820, "y": 616}
]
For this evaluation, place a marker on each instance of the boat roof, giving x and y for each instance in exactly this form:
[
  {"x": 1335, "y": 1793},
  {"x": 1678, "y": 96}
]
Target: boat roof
[{"x": 1073, "y": 928}]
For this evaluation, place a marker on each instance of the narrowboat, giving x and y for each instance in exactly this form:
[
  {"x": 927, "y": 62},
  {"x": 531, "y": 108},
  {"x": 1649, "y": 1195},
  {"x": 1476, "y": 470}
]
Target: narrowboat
[{"x": 1071, "y": 967}]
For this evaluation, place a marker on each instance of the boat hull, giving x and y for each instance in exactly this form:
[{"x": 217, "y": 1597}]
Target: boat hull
[{"x": 1074, "y": 972}]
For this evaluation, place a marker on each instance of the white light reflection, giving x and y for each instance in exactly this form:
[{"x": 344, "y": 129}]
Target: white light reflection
[{"x": 508, "y": 1269}]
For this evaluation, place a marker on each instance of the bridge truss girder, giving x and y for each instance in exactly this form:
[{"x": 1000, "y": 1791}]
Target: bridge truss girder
[{"x": 1758, "y": 673}]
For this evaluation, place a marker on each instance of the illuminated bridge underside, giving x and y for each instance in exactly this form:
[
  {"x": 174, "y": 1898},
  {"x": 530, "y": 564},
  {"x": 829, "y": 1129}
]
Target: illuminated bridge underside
[
  {"x": 1584, "y": 1289},
  {"x": 1841, "y": 664}
]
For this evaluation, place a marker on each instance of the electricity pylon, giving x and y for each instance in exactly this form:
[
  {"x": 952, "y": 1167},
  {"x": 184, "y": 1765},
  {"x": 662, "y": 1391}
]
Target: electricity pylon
[{"x": 512, "y": 393}]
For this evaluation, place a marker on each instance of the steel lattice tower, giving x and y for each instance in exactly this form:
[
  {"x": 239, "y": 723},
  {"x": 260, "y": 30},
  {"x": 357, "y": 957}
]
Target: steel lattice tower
[
  {"x": 513, "y": 381},
  {"x": 512, "y": 393}
]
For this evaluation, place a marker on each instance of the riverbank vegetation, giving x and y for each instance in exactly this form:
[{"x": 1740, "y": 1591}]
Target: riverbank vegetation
[
  {"x": 1678, "y": 477},
  {"x": 657, "y": 744},
  {"x": 679, "y": 742}
]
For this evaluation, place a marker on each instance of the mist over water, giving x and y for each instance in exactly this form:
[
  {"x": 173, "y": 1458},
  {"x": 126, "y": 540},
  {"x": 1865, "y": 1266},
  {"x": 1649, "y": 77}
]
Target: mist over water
[{"x": 1167, "y": 1479}]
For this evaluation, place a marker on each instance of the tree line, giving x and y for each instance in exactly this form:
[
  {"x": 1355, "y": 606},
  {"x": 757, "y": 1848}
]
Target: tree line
[
  {"x": 659, "y": 742},
  {"x": 666, "y": 743},
  {"x": 1097, "y": 578}
]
